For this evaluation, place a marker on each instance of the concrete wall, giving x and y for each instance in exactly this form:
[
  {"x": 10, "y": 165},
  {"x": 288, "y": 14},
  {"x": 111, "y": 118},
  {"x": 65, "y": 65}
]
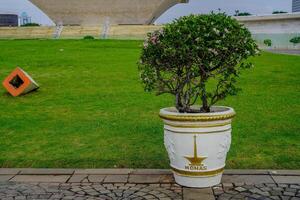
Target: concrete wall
[
  {"x": 131, "y": 32},
  {"x": 279, "y": 41},
  {"x": 96, "y": 12},
  {"x": 70, "y": 32},
  {"x": 137, "y": 32},
  {"x": 26, "y": 32},
  {"x": 279, "y": 28}
]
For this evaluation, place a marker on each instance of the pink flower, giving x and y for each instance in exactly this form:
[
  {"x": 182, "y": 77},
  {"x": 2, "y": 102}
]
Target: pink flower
[
  {"x": 145, "y": 44},
  {"x": 154, "y": 39}
]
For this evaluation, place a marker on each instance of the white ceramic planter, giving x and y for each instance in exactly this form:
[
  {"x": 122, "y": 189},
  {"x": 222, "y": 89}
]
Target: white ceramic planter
[{"x": 197, "y": 144}]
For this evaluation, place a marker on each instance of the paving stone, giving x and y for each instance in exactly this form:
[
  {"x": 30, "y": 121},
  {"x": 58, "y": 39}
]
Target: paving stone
[
  {"x": 46, "y": 171},
  {"x": 231, "y": 191},
  {"x": 20, "y": 198},
  {"x": 282, "y": 185},
  {"x": 285, "y": 198},
  {"x": 255, "y": 190},
  {"x": 261, "y": 185},
  {"x": 144, "y": 178},
  {"x": 5, "y": 177},
  {"x": 9, "y": 171},
  {"x": 240, "y": 189},
  {"x": 152, "y": 172},
  {"x": 277, "y": 188},
  {"x": 270, "y": 184},
  {"x": 227, "y": 185},
  {"x": 275, "y": 193},
  {"x": 103, "y": 171},
  {"x": 225, "y": 197},
  {"x": 248, "y": 186},
  {"x": 40, "y": 178},
  {"x": 287, "y": 179},
  {"x": 167, "y": 179},
  {"x": 290, "y": 189},
  {"x": 116, "y": 179},
  {"x": 255, "y": 196},
  {"x": 218, "y": 190},
  {"x": 96, "y": 178},
  {"x": 295, "y": 198},
  {"x": 249, "y": 179},
  {"x": 245, "y": 172},
  {"x": 285, "y": 172},
  {"x": 77, "y": 178},
  {"x": 261, "y": 191},
  {"x": 198, "y": 194},
  {"x": 289, "y": 194},
  {"x": 275, "y": 197},
  {"x": 266, "y": 189},
  {"x": 119, "y": 184},
  {"x": 239, "y": 184},
  {"x": 158, "y": 188},
  {"x": 45, "y": 196},
  {"x": 295, "y": 186}
]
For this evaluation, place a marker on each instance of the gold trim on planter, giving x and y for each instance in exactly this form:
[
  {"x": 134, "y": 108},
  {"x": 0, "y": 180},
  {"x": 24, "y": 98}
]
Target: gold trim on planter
[
  {"x": 197, "y": 125},
  {"x": 196, "y": 118},
  {"x": 194, "y": 174},
  {"x": 207, "y": 132}
]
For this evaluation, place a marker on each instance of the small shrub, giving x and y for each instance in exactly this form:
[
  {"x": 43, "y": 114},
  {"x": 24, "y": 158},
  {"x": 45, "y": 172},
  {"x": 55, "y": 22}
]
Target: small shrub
[
  {"x": 88, "y": 37},
  {"x": 238, "y": 13},
  {"x": 295, "y": 40},
  {"x": 268, "y": 42},
  {"x": 278, "y": 12},
  {"x": 197, "y": 58},
  {"x": 30, "y": 24}
]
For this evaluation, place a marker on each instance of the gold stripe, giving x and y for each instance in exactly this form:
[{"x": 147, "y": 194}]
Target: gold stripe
[
  {"x": 196, "y": 118},
  {"x": 221, "y": 131},
  {"x": 197, "y": 126},
  {"x": 194, "y": 174}
]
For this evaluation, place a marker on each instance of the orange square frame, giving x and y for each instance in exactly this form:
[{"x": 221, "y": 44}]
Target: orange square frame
[{"x": 11, "y": 89}]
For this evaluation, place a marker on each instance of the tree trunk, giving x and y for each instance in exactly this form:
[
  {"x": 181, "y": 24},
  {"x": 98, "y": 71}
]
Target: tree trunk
[
  {"x": 205, "y": 107},
  {"x": 178, "y": 103}
]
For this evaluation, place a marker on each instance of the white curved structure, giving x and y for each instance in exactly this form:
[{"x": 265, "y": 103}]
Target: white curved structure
[{"x": 94, "y": 12}]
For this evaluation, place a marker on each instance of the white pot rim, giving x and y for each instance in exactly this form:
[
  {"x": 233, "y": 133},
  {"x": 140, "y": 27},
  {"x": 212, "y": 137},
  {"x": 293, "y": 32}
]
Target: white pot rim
[{"x": 218, "y": 113}]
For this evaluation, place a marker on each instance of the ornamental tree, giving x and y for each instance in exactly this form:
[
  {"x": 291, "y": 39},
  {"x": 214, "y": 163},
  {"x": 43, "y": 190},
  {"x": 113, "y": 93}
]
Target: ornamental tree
[
  {"x": 295, "y": 40},
  {"x": 197, "y": 58},
  {"x": 268, "y": 42}
]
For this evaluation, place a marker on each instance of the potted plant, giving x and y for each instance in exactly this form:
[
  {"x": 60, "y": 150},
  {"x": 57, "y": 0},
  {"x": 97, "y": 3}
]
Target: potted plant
[{"x": 197, "y": 59}]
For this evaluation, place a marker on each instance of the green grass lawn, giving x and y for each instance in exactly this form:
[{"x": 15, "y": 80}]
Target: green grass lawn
[{"x": 91, "y": 110}]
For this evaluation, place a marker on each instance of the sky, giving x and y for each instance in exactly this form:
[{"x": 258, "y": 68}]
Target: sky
[{"x": 257, "y": 7}]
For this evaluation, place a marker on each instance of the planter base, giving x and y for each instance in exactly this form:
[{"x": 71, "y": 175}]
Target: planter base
[{"x": 198, "y": 182}]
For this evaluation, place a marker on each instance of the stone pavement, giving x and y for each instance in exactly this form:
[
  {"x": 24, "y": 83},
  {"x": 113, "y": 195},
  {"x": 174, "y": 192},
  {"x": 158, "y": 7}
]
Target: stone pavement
[{"x": 126, "y": 184}]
